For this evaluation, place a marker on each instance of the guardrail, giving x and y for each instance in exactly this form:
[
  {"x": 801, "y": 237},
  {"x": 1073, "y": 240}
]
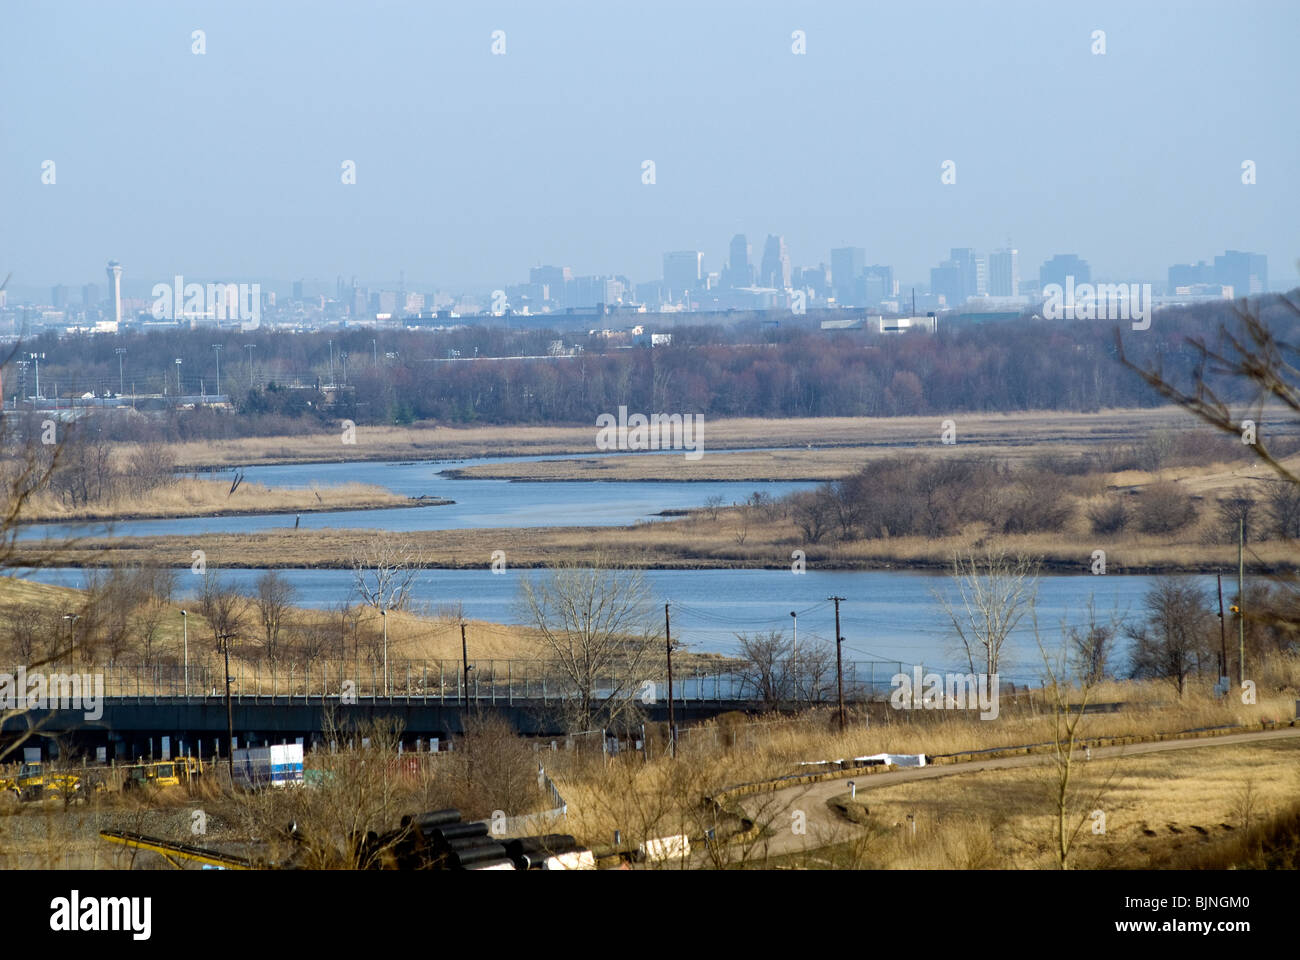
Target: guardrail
[{"x": 445, "y": 681}]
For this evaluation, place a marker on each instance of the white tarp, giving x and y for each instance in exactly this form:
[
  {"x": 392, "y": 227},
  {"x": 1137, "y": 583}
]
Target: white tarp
[
  {"x": 888, "y": 759},
  {"x": 896, "y": 759}
]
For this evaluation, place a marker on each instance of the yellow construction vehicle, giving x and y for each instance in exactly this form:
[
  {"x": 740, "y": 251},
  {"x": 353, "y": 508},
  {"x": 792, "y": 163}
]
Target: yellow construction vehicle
[
  {"x": 33, "y": 782},
  {"x": 181, "y": 772}
]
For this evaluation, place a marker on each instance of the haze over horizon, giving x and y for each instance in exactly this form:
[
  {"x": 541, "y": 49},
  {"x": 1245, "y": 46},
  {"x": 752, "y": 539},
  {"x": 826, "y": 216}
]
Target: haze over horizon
[{"x": 473, "y": 167}]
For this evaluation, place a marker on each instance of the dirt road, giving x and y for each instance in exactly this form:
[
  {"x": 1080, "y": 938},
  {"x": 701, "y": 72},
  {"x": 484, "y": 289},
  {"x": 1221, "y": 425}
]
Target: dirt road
[{"x": 821, "y": 822}]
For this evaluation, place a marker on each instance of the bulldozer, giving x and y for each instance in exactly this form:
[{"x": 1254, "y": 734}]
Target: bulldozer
[
  {"x": 34, "y": 782},
  {"x": 181, "y": 772}
]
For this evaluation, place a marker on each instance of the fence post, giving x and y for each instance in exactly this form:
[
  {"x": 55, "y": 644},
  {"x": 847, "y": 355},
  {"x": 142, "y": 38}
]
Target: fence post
[
  {"x": 408, "y": 681},
  {"x": 510, "y": 683}
]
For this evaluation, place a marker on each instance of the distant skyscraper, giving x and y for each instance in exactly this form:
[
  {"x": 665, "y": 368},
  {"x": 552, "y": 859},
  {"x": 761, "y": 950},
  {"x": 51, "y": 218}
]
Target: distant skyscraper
[
  {"x": 1064, "y": 265},
  {"x": 876, "y": 283},
  {"x": 297, "y": 289},
  {"x": 847, "y": 264},
  {"x": 775, "y": 271},
  {"x": 740, "y": 273},
  {"x": 1189, "y": 275},
  {"x": 946, "y": 282},
  {"x": 90, "y": 296},
  {"x": 59, "y": 297},
  {"x": 1004, "y": 273},
  {"x": 1246, "y": 273},
  {"x": 683, "y": 271},
  {"x": 114, "y": 271},
  {"x": 973, "y": 271}
]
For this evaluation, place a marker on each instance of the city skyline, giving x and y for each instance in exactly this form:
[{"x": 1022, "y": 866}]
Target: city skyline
[
  {"x": 473, "y": 188},
  {"x": 967, "y": 274}
]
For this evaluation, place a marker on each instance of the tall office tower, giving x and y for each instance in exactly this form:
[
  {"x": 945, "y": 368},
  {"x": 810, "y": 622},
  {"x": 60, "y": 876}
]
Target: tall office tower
[
  {"x": 58, "y": 296},
  {"x": 683, "y": 271},
  {"x": 114, "y": 271},
  {"x": 775, "y": 271},
  {"x": 1004, "y": 273},
  {"x": 740, "y": 273},
  {"x": 847, "y": 264},
  {"x": 297, "y": 289},
  {"x": 89, "y": 295},
  {"x": 1246, "y": 273},
  {"x": 877, "y": 283},
  {"x": 1064, "y": 265},
  {"x": 946, "y": 282},
  {"x": 973, "y": 271},
  {"x": 1189, "y": 275}
]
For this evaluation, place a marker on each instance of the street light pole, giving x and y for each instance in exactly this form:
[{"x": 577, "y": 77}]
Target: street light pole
[
  {"x": 217, "y": 347},
  {"x": 178, "y": 378},
  {"x": 185, "y": 628},
  {"x": 121, "y": 377},
  {"x": 72, "y": 629},
  {"x": 383, "y": 612}
]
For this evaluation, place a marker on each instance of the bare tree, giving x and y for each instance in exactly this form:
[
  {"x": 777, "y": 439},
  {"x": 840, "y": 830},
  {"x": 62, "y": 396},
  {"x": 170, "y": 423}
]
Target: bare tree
[
  {"x": 1283, "y": 505},
  {"x": 813, "y": 513},
  {"x": 273, "y": 597},
  {"x": 1092, "y": 645},
  {"x": 1171, "y": 640},
  {"x": 599, "y": 625},
  {"x": 994, "y": 592},
  {"x": 767, "y": 668},
  {"x": 384, "y": 571},
  {"x": 222, "y": 605},
  {"x": 1068, "y": 695}
]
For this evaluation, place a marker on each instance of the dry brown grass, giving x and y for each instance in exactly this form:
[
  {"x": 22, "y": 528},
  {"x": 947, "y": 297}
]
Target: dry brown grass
[
  {"x": 1157, "y": 806},
  {"x": 693, "y": 542},
  {"x": 194, "y": 497},
  {"x": 436, "y": 442},
  {"x": 620, "y": 794}
]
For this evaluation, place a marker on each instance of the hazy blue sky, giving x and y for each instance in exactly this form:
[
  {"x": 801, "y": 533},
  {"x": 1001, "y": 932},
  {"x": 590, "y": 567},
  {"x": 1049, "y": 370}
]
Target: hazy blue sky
[{"x": 472, "y": 167}]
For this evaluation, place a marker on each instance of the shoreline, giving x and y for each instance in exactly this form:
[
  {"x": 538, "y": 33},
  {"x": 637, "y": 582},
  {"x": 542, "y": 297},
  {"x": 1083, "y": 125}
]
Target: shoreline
[
  {"x": 128, "y": 517},
  {"x": 1048, "y": 566}
]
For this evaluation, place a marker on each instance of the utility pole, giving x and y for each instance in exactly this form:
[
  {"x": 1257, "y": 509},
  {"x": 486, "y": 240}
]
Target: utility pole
[
  {"x": 249, "y": 347},
  {"x": 464, "y": 660},
  {"x": 230, "y": 715},
  {"x": 121, "y": 377},
  {"x": 1241, "y": 602},
  {"x": 374, "y": 345},
  {"x": 794, "y": 644},
  {"x": 1223, "y": 632},
  {"x": 668, "y": 644},
  {"x": 185, "y": 627},
  {"x": 383, "y": 612},
  {"x": 839, "y": 660}
]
